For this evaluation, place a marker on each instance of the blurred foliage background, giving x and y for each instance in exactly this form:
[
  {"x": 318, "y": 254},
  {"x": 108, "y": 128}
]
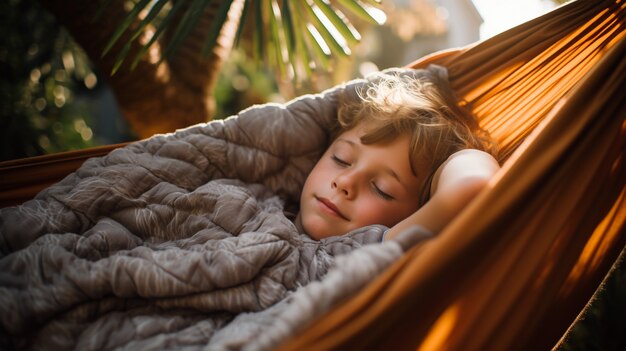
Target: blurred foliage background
[{"x": 49, "y": 91}]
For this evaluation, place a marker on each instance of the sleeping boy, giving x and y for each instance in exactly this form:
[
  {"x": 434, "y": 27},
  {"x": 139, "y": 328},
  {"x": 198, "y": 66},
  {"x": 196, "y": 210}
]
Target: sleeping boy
[{"x": 405, "y": 154}]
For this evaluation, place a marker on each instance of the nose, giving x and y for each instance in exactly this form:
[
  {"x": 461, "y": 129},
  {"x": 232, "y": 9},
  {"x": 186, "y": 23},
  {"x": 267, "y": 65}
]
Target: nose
[{"x": 345, "y": 185}]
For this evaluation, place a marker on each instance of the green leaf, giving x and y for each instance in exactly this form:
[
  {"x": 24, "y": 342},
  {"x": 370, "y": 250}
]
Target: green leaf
[
  {"x": 279, "y": 38},
  {"x": 326, "y": 29},
  {"x": 298, "y": 53},
  {"x": 288, "y": 26},
  {"x": 154, "y": 11},
  {"x": 366, "y": 12},
  {"x": 118, "y": 62},
  {"x": 187, "y": 24},
  {"x": 242, "y": 22},
  {"x": 216, "y": 27},
  {"x": 159, "y": 30},
  {"x": 339, "y": 21},
  {"x": 259, "y": 38},
  {"x": 290, "y": 38},
  {"x": 127, "y": 21},
  {"x": 317, "y": 42},
  {"x": 308, "y": 47},
  {"x": 374, "y": 2}
]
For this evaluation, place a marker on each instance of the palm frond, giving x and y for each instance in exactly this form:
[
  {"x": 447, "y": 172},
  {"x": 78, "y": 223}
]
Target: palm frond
[
  {"x": 188, "y": 22},
  {"x": 291, "y": 36},
  {"x": 124, "y": 26},
  {"x": 160, "y": 30},
  {"x": 216, "y": 27},
  {"x": 339, "y": 21}
]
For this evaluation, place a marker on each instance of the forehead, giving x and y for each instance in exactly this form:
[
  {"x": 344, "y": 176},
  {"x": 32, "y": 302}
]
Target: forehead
[{"x": 369, "y": 133}]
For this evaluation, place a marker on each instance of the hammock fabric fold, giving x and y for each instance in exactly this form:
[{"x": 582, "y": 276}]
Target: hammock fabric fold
[{"x": 517, "y": 266}]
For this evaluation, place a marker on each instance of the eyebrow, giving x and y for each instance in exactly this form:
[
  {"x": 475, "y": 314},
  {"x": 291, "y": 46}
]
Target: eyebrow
[{"x": 352, "y": 143}]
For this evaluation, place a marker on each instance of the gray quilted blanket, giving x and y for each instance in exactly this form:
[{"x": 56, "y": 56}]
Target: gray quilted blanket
[{"x": 179, "y": 240}]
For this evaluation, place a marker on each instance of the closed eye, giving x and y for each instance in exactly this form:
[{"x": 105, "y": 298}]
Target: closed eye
[
  {"x": 340, "y": 161},
  {"x": 381, "y": 193}
]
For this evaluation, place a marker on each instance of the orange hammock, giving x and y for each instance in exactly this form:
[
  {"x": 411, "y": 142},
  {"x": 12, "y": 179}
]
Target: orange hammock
[{"x": 516, "y": 267}]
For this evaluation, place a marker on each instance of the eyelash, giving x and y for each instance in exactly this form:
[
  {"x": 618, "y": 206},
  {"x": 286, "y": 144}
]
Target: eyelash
[
  {"x": 376, "y": 189},
  {"x": 381, "y": 193},
  {"x": 340, "y": 161}
]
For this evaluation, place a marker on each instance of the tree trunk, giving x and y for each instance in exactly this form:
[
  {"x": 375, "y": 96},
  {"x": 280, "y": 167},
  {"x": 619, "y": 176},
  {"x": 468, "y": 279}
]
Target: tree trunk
[{"x": 154, "y": 97}]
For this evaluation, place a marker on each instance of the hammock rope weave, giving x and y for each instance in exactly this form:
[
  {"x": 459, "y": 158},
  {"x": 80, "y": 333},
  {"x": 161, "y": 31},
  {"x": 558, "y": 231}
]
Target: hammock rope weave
[{"x": 516, "y": 267}]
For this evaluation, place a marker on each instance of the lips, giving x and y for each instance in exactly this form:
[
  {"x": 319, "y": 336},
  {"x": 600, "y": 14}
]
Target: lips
[{"x": 330, "y": 207}]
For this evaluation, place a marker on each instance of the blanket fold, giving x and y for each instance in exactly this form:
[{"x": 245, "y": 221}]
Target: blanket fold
[{"x": 163, "y": 243}]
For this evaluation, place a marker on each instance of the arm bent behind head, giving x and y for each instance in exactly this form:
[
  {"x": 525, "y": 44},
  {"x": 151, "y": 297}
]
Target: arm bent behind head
[{"x": 456, "y": 182}]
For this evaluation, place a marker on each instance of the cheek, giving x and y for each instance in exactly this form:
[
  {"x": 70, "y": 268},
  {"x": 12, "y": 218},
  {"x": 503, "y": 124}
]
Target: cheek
[
  {"x": 310, "y": 180},
  {"x": 375, "y": 211},
  {"x": 318, "y": 177}
]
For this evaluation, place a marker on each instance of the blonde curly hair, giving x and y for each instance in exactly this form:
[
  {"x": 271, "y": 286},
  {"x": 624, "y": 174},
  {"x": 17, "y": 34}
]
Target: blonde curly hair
[{"x": 419, "y": 103}]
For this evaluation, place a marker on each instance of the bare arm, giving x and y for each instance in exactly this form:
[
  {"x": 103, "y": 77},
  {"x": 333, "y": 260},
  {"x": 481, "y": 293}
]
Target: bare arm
[{"x": 456, "y": 183}]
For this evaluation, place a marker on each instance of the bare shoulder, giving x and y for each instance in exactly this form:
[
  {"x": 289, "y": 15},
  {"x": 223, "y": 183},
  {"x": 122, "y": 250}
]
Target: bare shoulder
[
  {"x": 457, "y": 181},
  {"x": 463, "y": 167}
]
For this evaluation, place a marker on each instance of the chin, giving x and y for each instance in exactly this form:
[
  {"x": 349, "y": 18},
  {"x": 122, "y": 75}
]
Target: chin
[{"x": 317, "y": 231}]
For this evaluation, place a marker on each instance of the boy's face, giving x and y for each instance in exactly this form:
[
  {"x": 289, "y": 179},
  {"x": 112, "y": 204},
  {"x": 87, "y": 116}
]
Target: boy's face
[{"x": 354, "y": 185}]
